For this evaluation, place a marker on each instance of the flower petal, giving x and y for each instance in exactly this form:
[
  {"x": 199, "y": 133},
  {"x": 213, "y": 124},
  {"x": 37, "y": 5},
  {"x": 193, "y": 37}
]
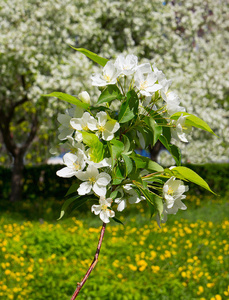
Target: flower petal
[
  {"x": 103, "y": 179},
  {"x": 99, "y": 190},
  {"x": 66, "y": 172},
  {"x": 84, "y": 188},
  {"x": 96, "y": 209}
]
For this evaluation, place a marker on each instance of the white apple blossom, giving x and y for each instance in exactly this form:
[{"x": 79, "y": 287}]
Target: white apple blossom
[
  {"x": 87, "y": 122},
  {"x": 84, "y": 97},
  {"x": 127, "y": 65},
  {"x": 146, "y": 84},
  {"x": 106, "y": 162},
  {"x": 93, "y": 180},
  {"x": 172, "y": 105},
  {"x": 74, "y": 163},
  {"x": 103, "y": 209},
  {"x": 181, "y": 129},
  {"x": 66, "y": 130},
  {"x": 109, "y": 76},
  {"x": 173, "y": 191},
  {"x": 106, "y": 127},
  {"x": 127, "y": 194}
]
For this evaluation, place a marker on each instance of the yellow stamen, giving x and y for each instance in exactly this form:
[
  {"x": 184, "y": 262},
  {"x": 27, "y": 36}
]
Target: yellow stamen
[
  {"x": 101, "y": 128},
  {"x": 85, "y": 128},
  {"x": 170, "y": 191},
  {"x": 143, "y": 85},
  {"x": 92, "y": 179},
  {"x": 107, "y": 78},
  {"x": 77, "y": 165}
]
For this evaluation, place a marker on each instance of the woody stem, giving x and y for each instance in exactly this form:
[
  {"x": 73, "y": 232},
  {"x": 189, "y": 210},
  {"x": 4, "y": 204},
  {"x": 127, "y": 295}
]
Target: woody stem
[{"x": 93, "y": 264}]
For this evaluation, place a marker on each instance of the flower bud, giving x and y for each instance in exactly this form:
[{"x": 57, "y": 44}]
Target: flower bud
[{"x": 84, "y": 97}]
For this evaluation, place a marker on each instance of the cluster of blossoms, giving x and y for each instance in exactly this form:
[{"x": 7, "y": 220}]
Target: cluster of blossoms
[{"x": 103, "y": 141}]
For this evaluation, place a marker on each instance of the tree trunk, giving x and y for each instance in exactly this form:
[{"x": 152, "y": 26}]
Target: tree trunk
[
  {"x": 154, "y": 151},
  {"x": 17, "y": 178}
]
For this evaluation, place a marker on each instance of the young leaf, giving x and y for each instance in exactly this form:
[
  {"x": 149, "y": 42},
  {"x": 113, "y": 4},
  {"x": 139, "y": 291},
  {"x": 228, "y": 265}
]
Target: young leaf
[
  {"x": 156, "y": 129},
  {"x": 188, "y": 174},
  {"x": 96, "y": 58},
  {"x": 111, "y": 92},
  {"x": 146, "y": 163},
  {"x": 82, "y": 200},
  {"x": 117, "y": 221},
  {"x": 193, "y": 120},
  {"x": 128, "y": 164},
  {"x": 126, "y": 144},
  {"x": 129, "y": 108},
  {"x": 96, "y": 147},
  {"x": 158, "y": 204},
  {"x": 113, "y": 194},
  {"x": 173, "y": 149},
  {"x": 66, "y": 205},
  {"x": 117, "y": 175},
  {"x": 68, "y": 98},
  {"x": 73, "y": 188},
  {"x": 116, "y": 148}
]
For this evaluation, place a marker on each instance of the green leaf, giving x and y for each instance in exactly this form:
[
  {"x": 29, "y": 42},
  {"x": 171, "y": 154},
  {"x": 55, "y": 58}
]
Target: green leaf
[
  {"x": 113, "y": 194},
  {"x": 111, "y": 92},
  {"x": 158, "y": 204},
  {"x": 126, "y": 144},
  {"x": 96, "y": 58},
  {"x": 147, "y": 134},
  {"x": 152, "y": 209},
  {"x": 157, "y": 129},
  {"x": 188, "y": 174},
  {"x": 73, "y": 188},
  {"x": 68, "y": 98},
  {"x": 128, "y": 164},
  {"x": 117, "y": 175},
  {"x": 173, "y": 149},
  {"x": 66, "y": 205},
  {"x": 96, "y": 147},
  {"x": 116, "y": 148},
  {"x": 149, "y": 198},
  {"x": 117, "y": 221},
  {"x": 129, "y": 108},
  {"x": 193, "y": 120},
  {"x": 82, "y": 200},
  {"x": 146, "y": 163}
]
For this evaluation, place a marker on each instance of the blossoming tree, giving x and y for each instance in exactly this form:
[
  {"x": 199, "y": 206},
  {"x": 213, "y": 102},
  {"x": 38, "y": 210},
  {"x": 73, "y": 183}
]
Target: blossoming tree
[
  {"x": 189, "y": 40},
  {"x": 102, "y": 143}
]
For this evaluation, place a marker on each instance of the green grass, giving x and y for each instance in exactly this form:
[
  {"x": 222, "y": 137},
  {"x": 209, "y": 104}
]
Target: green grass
[{"x": 186, "y": 259}]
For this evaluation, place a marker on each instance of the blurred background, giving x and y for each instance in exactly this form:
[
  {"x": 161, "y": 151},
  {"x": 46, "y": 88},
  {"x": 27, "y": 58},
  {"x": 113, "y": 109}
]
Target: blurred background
[{"x": 44, "y": 258}]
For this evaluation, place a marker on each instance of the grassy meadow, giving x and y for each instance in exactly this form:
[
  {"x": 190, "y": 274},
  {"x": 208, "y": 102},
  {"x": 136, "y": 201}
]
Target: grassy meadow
[{"x": 187, "y": 259}]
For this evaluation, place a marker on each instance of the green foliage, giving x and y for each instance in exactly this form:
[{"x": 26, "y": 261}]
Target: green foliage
[
  {"x": 68, "y": 98},
  {"x": 192, "y": 120},
  {"x": 188, "y": 174},
  {"x": 96, "y": 147},
  {"x": 110, "y": 93},
  {"x": 129, "y": 108},
  {"x": 173, "y": 149},
  {"x": 96, "y": 58}
]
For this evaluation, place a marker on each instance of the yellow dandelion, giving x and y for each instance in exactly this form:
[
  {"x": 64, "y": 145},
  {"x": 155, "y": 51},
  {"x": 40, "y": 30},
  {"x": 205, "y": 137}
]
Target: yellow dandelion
[
  {"x": 7, "y": 272},
  {"x": 132, "y": 267},
  {"x": 155, "y": 269}
]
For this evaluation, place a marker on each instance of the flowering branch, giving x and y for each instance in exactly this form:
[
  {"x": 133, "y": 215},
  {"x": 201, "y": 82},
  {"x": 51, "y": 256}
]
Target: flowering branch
[{"x": 93, "y": 264}]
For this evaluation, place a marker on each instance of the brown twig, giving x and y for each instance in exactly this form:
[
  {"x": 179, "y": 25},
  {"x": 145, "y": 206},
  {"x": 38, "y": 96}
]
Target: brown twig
[{"x": 80, "y": 285}]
